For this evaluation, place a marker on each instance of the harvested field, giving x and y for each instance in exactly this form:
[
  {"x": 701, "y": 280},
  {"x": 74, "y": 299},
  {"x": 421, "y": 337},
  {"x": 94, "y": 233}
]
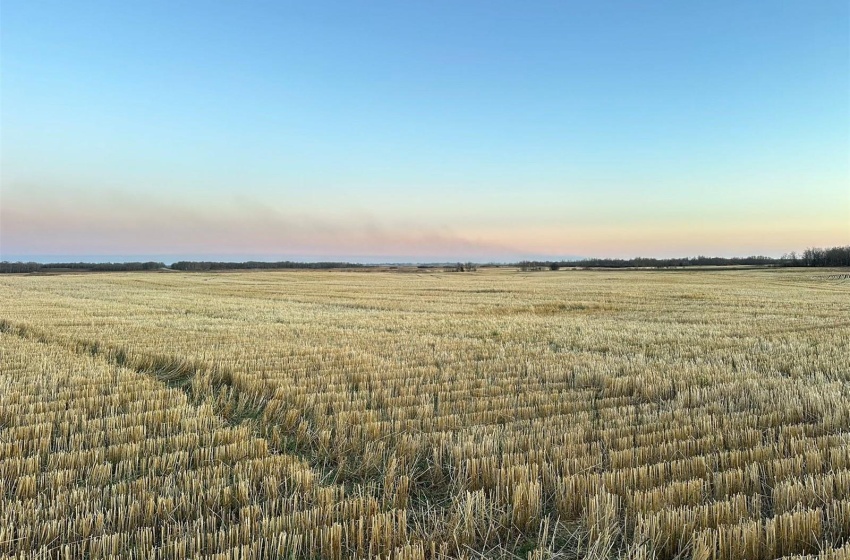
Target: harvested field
[{"x": 497, "y": 414}]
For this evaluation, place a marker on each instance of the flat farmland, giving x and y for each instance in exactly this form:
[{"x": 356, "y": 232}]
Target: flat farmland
[{"x": 662, "y": 414}]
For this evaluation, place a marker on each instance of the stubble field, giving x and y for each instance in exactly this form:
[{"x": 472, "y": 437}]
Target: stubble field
[{"x": 568, "y": 414}]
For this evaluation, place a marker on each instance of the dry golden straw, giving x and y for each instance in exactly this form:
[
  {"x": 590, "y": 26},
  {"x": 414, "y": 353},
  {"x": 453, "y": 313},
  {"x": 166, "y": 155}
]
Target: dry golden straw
[{"x": 424, "y": 415}]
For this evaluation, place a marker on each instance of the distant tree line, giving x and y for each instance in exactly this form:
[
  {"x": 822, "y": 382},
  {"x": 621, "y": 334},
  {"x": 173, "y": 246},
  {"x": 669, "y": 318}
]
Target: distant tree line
[
  {"x": 813, "y": 256},
  {"x": 462, "y": 267},
  {"x": 644, "y": 262},
  {"x": 833, "y": 256},
  {"x": 17, "y": 267},
  {"x": 250, "y": 265}
]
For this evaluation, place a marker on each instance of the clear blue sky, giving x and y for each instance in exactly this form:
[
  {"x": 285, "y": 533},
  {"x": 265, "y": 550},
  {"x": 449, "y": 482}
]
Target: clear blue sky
[{"x": 373, "y": 130}]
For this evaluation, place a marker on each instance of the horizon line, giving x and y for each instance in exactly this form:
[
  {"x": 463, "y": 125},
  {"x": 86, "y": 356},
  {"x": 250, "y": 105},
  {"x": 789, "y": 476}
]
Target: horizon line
[{"x": 361, "y": 260}]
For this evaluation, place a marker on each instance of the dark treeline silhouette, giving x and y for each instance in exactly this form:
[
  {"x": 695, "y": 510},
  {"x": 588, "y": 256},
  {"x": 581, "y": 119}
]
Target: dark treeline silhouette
[
  {"x": 813, "y": 256},
  {"x": 645, "y": 262},
  {"x": 250, "y": 265},
  {"x": 19, "y": 267},
  {"x": 834, "y": 256},
  {"x": 462, "y": 267},
  {"x": 78, "y": 267}
]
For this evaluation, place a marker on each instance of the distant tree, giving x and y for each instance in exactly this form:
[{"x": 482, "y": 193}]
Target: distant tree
[
  {"x": 528, "y": 266},
  {"x": 837, "y": 256},
  {"x": 80, "y": 266},
  {"x": 251, "y": 265},
  {"x": 814, "y": 256},
  {"x": 18, "y": 267},
  {"x": 464, "y": 267}
]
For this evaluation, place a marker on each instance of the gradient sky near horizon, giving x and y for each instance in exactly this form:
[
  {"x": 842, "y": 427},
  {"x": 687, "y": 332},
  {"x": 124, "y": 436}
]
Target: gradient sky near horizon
[{"x": 422, "y": 131}]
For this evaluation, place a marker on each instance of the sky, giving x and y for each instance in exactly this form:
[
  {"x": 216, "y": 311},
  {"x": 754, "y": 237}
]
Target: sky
[{"x": 422, "y": 131}]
